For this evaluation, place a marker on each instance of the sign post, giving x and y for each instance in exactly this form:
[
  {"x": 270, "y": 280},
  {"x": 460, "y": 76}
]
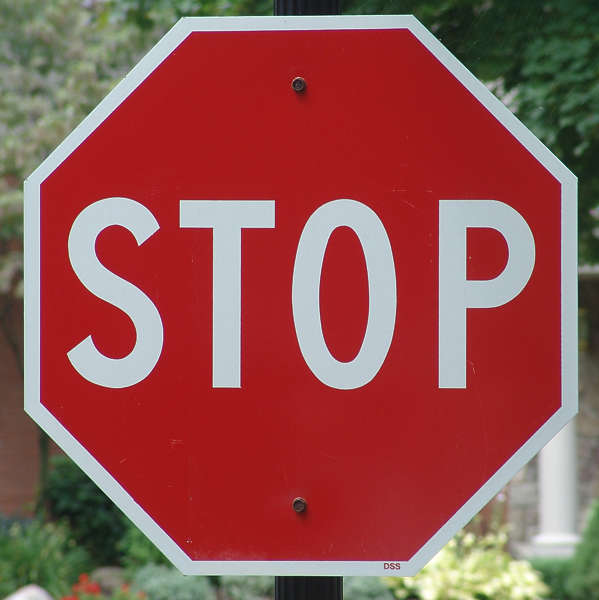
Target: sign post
[
  {"x": 289, "y": 279},
  {"x": 298, "y": 587}
]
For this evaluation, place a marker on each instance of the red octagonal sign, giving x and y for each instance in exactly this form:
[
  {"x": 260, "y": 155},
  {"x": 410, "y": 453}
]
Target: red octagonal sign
[{"x": 357, "y": 288}]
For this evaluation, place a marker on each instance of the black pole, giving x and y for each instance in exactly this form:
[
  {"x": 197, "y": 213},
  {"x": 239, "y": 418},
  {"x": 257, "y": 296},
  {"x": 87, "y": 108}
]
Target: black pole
[
  {"x": 306, "y": 7},
  {"x": 307, "y": 588}
]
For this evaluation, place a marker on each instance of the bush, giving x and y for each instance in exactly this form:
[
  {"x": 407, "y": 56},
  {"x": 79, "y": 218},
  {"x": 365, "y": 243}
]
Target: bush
[
  {"x": 88, "y": 589},
  {"x": 7, "y": 522},
  {"x": 583, "y": 583},
  {"x": 248, "y": 588},
  {"x": 95, "y": 521},
  {"x": 137, "y": 550},
  {"x": 160, "y": 582},
  {"x": 555, "y": 573},
  {"x": 365, "y": 588},
  {"x": 472, "y": 568},
  {"x": 41, "y": 553}
]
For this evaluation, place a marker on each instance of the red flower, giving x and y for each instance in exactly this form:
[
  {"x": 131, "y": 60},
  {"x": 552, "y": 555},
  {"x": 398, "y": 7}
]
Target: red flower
[
  {"x": 86, "y": 586},
  {"x": 93, "y": 588}
]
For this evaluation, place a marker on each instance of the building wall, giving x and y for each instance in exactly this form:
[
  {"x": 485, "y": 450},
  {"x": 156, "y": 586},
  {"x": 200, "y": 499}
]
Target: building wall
[{"x": 19, "y": 448}]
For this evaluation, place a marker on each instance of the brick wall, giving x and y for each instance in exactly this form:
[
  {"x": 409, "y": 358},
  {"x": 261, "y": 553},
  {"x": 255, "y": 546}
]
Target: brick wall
[{"x": 19, "y": 449}]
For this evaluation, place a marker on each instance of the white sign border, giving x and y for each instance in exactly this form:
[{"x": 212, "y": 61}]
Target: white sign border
[{"x": 110, "y": 486}]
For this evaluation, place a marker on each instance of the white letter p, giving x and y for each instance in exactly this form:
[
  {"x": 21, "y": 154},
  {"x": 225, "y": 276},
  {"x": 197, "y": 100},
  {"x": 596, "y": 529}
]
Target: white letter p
[{"x": 456, "y": 293}]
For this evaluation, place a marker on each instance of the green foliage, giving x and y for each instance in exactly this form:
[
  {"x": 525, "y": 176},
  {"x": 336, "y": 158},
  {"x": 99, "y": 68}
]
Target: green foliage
[
  {"x": 160, "y": 582},
  {"x": 160, "y": 15},
  {"x": 41, "y": 553},
  {"x": 365, "y": 588},
  {"x": 472, "y": 568},
  {"x": 6, "y": 522},
  {"x": 137, "y": 550},
  {"x": 95, "y": 521},
  {"x": 558, "y": 98},
  {"x": 88, "y": 589},
  {"x": 248, "y": 588},
  {"x": 555, "y": 573},
  {"x": 583, "y": 583},
  {"x": 58, "y": 58}
]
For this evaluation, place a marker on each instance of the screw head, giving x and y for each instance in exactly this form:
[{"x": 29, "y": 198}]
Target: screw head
[
  {"x": 299, "y": 505},
  {"x": 298, "y": 84}
]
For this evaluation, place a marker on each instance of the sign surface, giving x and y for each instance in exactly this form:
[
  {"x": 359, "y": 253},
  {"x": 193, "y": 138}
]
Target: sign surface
[{"x": 362, "y": 295}]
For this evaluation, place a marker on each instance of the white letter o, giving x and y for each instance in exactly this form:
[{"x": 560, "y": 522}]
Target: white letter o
[{"x": 382, "y": 293}]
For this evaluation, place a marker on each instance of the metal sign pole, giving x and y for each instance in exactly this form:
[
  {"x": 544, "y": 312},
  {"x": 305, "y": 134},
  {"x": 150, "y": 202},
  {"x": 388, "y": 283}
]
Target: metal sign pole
[
  {"x": 306, "y": 7},
  {"x": 307, "y": 588}
]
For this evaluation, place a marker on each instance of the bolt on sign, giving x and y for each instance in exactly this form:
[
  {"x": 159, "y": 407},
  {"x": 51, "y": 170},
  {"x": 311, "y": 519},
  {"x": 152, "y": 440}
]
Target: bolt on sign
[{"x": 301, "y": 295}]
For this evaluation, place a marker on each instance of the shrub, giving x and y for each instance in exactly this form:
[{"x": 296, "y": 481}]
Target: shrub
[
  {"x": 137, "y": 550},
  {"x": 583, "y": 583},
  {"x": 95, "y": 521},
  {"x": 248, "y": 588},
  {"x": 365, "y": 588},
  {"x": 40, "y": 553},
  {"x": 555, "y": 573},
  {"x": 87, "y": 589},
  {"x": 160, "y": 582},
  {"x": 472, "y": 568},
  {"x": 7, "y": 522}
]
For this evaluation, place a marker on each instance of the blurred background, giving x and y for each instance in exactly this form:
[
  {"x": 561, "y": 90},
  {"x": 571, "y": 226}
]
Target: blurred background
[{"x": 538, "y": 538}]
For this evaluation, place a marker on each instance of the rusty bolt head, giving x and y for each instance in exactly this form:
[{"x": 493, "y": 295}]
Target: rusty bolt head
[
  {"x": 299, "y": 505},
  {"x": 298, "y": 84}
]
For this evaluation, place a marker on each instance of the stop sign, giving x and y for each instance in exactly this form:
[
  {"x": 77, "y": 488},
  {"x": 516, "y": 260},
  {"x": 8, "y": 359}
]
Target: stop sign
[{"x": 301, "y": 295}]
